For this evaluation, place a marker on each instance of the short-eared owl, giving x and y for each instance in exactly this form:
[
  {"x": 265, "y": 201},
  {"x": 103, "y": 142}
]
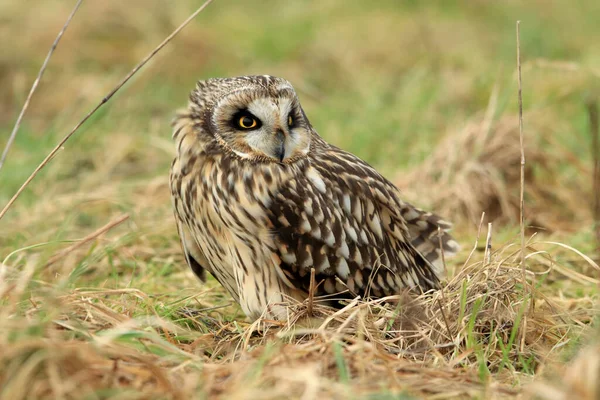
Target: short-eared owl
[{"x": 260, "y": 199}]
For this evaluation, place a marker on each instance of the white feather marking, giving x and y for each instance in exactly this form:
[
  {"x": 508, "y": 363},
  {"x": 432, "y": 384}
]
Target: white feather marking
[
  {"x": 316, "y": 232},
  {"x": 409, "y": 280},
  {"x": 305, "y": 225},
  {"x": 358, "y": 257},
  {"x": 357, "y": 210},
  {"x": 241, "y": 154},
  {"x": 350, "y": 231},
  {"x": 438, "y": 267},
  {"x": 314, "y": 176},
  {"x": 319, "y": 216},
  {"x": 324, "y": 265},
  {"x": 398, "y": 281},
  {"x": 375, "y": 225},
  {"x": 370, "y": 208},
  {"x": 288, "y": 258},
  {"x": 411, "y": 214},
  {"x": 347, "y": 204},
  {"x": 342, "y": 269},
  {"x": 284, "y": 221},
  {"x": 358, "y": 278},
  {"x": 421, "y": 224},
  {"x": 414, "y": 277},
  {"x": 330, "y": 239},
  {"x": 363, "y": 237},
  {"x": 308, "y": 206},
  {"x": 343, "y": 251},
  {"x": 453, "y": 246},
  {"x": 390, "y": 280},
  {"x": 309, "y": 260},
  {"x": 402, "y": 258}
]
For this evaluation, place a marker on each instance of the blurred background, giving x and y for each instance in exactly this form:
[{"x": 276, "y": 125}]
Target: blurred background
[
  {"x": 95, "y": 297},
  {"x": 424, "y": 91}
]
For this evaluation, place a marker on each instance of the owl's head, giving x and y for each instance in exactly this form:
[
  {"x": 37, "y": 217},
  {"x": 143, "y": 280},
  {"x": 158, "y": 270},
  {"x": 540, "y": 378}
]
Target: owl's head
[{"x": 258, "y": 118}]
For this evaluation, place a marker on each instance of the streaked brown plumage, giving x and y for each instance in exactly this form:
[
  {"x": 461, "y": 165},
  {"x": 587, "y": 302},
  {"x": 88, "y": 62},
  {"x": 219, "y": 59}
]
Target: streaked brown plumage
[{"x": 260, "y": 198}]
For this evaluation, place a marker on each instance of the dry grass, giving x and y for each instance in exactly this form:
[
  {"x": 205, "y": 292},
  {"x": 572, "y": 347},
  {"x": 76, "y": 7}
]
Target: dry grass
[
  {"x": 476, "y": 170},
  {"x": 94, "y": 299},
  {"x": 75, "y": 342}
]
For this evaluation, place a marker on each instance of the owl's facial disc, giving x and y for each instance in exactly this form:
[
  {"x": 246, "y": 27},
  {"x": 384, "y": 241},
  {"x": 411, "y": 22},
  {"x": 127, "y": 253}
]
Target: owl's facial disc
[{"x": 264, "y": 128}]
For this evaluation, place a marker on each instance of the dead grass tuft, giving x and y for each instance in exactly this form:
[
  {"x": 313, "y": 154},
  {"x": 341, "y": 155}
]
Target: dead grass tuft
[{"x": 477, "y": 169}]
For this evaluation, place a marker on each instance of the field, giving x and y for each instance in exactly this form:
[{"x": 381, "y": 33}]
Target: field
[{"x": 96, "y": 301}]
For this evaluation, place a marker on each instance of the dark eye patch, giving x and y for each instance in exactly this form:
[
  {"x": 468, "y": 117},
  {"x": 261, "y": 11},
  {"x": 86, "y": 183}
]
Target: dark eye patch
[{"x": 245, "y": 120}]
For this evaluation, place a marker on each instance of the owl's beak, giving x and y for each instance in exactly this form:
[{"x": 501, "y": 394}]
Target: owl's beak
[
  {"x": 281, "y": 152},
  {"x": 279, "y": 145}
]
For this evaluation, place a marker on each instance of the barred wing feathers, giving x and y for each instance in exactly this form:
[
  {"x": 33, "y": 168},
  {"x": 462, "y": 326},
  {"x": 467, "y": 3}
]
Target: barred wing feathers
[{"x": 344, "y": 219}]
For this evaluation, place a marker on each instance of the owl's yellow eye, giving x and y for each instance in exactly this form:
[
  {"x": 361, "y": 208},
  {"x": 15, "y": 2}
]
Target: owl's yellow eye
[
  {"x": 247, "y": 122},
  {"x": 290, "y": 121}
]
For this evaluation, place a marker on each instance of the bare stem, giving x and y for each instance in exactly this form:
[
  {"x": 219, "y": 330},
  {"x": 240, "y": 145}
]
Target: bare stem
[
  {"x": 87, "y": 239},
  {"x": 522, "y": 194},
  {"x": 450, "y": 335},
  {"x": 102, "y": 102},
  {"x": 311, "y": 292},
  {"x": 595, "y": 134},
  {"x": 13, "y": 134},
  {"x": 488, "y": 245}
]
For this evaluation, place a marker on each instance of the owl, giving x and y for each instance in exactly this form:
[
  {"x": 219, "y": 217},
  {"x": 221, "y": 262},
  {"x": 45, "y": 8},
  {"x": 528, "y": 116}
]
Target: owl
[{"x": 260, "y": 199}]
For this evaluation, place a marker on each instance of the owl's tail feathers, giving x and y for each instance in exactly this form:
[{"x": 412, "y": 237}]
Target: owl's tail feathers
[{"x": 426, "y": 230}]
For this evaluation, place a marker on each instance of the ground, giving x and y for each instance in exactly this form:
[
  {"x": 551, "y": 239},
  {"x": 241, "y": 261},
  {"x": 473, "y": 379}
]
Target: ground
[{"x": 96, "y": 300}]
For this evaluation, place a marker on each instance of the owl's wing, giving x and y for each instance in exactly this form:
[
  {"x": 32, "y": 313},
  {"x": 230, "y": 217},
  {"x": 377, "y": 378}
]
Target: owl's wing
[
  {"x": 193, "y": 255},
  {"x": 344, "y": 219},
  {"x": 426, "y": 229}
]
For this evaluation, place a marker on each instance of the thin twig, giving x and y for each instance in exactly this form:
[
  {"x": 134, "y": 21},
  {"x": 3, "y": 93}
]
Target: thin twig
[
  {"x": 522, "y": 194},
  {"x": 311, "y": 292},
  {"x": 488, "y": 245},
  {"x": 104, "y": 101},
  {"x": 451, "y": 335},
  {"x": 13, "y": 134},
  {"x": 87, "y": 239},
  {"x": 595, "y": 133},
  {"x": 441, "y": 244}
]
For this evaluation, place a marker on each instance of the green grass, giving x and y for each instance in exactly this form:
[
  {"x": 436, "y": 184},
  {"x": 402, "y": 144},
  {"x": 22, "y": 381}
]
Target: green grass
[{"x": 386, "y": 81}]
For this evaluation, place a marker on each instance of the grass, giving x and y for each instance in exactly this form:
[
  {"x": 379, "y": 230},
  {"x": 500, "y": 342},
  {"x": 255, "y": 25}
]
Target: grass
[{"x": 426, "y": 93}]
